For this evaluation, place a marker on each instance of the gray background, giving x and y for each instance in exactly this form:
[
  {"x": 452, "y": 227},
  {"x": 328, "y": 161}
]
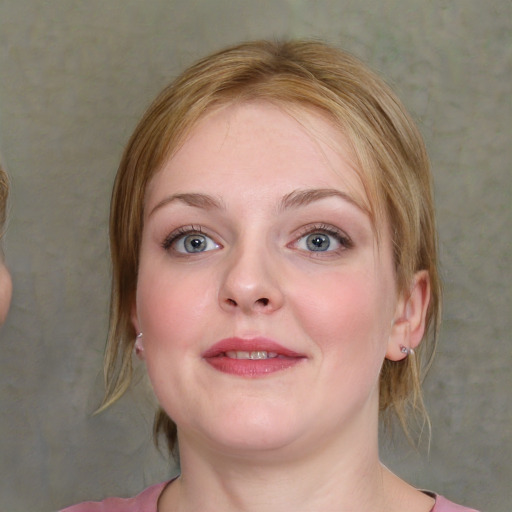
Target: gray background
[{"x": 74, "y": 78}]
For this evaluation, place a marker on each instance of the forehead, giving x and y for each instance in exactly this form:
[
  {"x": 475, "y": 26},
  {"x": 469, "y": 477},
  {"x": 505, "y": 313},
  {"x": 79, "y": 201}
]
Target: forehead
[{"x": 258, "y": 145}]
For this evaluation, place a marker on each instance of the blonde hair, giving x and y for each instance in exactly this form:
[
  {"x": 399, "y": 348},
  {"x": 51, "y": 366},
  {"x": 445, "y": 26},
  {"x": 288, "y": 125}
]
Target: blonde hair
[{"x": 392, "y": 163}]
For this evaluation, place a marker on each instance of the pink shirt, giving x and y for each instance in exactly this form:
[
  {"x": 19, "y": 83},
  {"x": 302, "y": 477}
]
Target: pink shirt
[{"x": 147, "y": 501}]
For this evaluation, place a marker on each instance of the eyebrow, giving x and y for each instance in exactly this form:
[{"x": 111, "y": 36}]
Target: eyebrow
[
  {"x": 295, "y": 199},
  {"x": 203, "y": 201},
  {"x": 299, "y": 198}
]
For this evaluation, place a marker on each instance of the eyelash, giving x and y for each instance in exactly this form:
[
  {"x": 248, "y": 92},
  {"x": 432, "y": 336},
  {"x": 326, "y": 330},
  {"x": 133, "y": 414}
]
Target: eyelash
[
  {"x": 172, "y": 237},
  {"x": 343, "y": 239}
]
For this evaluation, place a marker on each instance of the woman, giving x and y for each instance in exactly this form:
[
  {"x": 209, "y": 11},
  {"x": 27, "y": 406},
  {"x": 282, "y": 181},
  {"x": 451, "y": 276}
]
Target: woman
[
  {"x": 5, "y": 278},
  {"x": 275, "y": 266}
]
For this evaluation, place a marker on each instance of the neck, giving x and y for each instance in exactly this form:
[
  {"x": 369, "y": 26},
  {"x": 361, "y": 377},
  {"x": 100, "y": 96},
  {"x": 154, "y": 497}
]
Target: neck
[{"x": 342, "y": 474}]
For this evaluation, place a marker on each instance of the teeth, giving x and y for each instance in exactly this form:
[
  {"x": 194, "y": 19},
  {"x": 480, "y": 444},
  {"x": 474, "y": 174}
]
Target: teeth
[{"x": 256, "y": 354}]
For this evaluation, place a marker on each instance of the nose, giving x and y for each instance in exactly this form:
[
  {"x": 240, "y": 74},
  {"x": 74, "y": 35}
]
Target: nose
[{"x": 250, "y": 283}]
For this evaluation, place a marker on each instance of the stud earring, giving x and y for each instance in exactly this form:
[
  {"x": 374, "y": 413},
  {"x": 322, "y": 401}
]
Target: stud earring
[
  {"x": 407, "y": 351},
  {"x": 139, "y": 348}
]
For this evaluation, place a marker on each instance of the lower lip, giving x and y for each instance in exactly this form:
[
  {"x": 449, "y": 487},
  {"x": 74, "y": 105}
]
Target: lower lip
[{"x": 252, "y": 367}]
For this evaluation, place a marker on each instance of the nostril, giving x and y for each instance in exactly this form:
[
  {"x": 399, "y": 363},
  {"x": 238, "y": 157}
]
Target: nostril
[{"x": 263, "y": 302}]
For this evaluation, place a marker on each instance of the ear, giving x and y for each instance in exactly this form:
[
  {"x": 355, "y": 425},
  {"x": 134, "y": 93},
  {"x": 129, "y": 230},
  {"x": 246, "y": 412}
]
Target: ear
[
  {"x": 409, "y": 322},
  {"x": 139, "y": 344}
]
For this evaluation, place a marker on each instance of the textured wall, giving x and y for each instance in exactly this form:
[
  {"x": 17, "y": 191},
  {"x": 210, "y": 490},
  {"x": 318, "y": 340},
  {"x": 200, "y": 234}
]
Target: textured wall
[{"x": 75, "y": 75}]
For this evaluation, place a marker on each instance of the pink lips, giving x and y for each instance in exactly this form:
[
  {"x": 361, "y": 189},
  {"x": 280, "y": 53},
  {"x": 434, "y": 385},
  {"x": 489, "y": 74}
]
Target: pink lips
[{"x": 250, "y": 357}]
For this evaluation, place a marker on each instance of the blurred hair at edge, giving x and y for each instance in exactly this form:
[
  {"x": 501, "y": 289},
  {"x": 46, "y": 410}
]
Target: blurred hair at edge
[
  {"x": 393, "y": 167},
  {"x": 5, "y": 278}
]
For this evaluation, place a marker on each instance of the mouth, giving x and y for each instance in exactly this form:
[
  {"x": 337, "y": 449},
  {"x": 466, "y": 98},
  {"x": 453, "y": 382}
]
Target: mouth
[{"x": 251, "y": 357}]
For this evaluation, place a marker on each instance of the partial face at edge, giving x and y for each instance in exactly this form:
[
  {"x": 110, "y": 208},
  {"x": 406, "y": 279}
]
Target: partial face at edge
[{"x": 5, "y": 291}]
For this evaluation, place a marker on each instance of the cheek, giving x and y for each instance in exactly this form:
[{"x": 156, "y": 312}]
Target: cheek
[
  {"x": 174, "y": 314},
  {"x": 172, "y": 309},
  {"x": 347, "y": 313}
]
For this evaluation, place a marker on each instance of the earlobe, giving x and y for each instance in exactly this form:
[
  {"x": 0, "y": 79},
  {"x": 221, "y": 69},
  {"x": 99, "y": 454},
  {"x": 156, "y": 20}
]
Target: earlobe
[
  {"x": 409, "y": 323},
  {"x": 139, "y": 347},
  {"x": 139, "y": 344}
]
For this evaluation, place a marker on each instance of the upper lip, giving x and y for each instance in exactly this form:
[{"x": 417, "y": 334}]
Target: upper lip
[{"x": 249, "y": 345}]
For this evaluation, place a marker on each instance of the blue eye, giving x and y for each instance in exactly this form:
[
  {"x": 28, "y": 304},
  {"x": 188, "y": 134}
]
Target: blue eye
[
  {"x": 194, "y": 243},
  {"x": 318, "y": 242},
  {"x": 189, "y": 242},
  {"x": 323, "y": 240}
]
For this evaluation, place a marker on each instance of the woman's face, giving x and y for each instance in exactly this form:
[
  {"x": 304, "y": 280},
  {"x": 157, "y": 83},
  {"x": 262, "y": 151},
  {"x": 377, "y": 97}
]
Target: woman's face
[{"x": 265, "y": 303}]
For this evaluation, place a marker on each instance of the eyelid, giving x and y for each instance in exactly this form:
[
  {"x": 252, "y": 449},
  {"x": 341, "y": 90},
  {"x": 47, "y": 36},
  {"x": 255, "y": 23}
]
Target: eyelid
[
  {"x": 183, "y": 231},
  {"x": 179, "y": 232},
  {"x": 344, "y": 240}
]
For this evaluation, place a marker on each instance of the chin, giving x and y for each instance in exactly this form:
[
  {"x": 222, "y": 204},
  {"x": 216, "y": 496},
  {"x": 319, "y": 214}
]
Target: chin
[
  {"x": 253, "y": 444},
  {"x": 253, "y": 431}
]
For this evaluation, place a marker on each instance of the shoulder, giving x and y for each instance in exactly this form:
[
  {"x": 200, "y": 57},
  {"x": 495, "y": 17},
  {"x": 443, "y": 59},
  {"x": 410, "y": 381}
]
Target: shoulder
[
  {"x": 444, "y": 505},
  {"x": 146, "y": 501}
]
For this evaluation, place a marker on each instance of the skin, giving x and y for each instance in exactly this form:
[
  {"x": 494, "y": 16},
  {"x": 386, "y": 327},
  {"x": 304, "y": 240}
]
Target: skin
[
  {"x": 5, "y": 291},
  {"x": 304, "y": 438}
]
